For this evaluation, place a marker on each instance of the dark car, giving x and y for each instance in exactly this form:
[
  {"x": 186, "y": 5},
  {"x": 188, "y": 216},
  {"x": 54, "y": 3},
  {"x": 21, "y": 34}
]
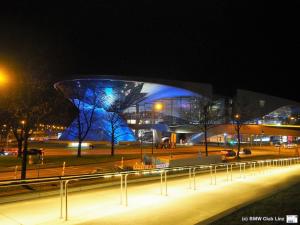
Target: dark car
[
  {"x": 246, "y": 151},
  {"x": 228, "y": 153},
  {"x": 34, "y": 151}
]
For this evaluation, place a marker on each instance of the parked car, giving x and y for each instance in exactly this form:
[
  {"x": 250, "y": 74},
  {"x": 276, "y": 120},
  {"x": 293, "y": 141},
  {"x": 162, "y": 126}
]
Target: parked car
[
  {"x": 34, "y": 151},
  {"x": 246, "y": 151},
  {"x": 228, "y": 153}
]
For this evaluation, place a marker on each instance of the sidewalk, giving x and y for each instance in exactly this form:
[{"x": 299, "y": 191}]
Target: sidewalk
[{"x": 147, "y": 206}]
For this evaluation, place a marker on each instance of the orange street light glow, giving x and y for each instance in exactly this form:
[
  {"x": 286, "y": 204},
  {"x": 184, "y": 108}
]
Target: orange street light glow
[{"x": 3, "y": 77}]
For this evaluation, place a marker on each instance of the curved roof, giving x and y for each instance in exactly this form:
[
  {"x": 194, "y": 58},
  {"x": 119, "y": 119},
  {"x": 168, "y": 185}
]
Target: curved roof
[
  {"x": 203, "y": 89},
  {"x": 115, "y": 91}
]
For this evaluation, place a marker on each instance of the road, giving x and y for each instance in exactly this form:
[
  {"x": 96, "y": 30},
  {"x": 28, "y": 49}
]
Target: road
[
  {"x": 181, "y": 206},
  {"x": 188, "y": 152}
]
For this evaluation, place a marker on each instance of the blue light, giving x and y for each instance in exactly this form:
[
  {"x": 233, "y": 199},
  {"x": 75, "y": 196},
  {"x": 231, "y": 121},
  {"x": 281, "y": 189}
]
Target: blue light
[
  {"x": 108, "y": 91},
  {"x": 100, "y": 129}
]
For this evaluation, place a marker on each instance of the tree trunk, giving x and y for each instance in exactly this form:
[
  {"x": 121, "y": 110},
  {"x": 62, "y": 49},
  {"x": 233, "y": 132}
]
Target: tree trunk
[
  {"x": 112, "y": 144},
  {"x": 24, "y": 157},
  {"x": 79, "y": 148},
  {"x": 239, "y": 143},
  {"x": 19, "y": 139},
  {"x": 20, "y": 143},
  {"x": 205, "y": 140}
]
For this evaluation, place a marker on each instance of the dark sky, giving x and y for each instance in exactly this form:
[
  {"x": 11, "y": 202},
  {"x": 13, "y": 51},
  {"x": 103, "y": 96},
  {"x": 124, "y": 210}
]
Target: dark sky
[{"x": 231, "y": 44}]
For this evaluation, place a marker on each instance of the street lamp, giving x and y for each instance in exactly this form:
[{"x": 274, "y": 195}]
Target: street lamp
[
  {"x": 237, "y": 116},
  {"x": 3, "y": 77},
  {"x": 158, "y": 106},
  {"x": 141, "y": 144}
]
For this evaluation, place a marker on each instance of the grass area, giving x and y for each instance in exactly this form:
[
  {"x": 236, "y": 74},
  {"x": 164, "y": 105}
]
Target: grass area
[
  {"x": 280, "y": 204},
  {"x": 52, "y": 161},
  {"x": 72, "y": 160},
  {"x": 86, "y": 159}
]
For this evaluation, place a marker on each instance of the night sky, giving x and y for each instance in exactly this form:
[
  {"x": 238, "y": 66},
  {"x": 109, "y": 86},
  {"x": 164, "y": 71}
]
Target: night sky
[{"x": 230, "y": 44}]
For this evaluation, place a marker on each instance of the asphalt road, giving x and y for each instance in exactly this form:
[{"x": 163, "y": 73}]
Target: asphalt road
[{"x": 187, "y": 152}]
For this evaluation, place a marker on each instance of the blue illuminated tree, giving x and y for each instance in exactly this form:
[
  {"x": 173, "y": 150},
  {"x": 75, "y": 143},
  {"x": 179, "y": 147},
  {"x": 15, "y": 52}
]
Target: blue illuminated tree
[
  {"x": 86, "y": 101},
  {"x": 125, "y": 95},
  {"x": 116, "y": 125}
]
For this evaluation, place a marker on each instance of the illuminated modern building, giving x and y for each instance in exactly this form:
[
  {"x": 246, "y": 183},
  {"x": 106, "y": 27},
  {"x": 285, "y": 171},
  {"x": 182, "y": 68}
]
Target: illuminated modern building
[{"x": 146, "y": 108}]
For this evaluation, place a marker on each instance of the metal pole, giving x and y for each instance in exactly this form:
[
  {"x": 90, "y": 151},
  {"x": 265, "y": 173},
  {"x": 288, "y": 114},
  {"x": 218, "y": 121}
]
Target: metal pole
[
  {"x": 244, "y": 170},
  {"x": 121, "y": 187},
  {"x": 161, "y": 180},
  {"x": 166, "y": 184},
  {"x": 227, "y": 172},
  {"x": 254, "y": 168},
  {"x": 66, "y": 196},
  {"x": 215, "y": 175},
  {"x": 190, "y": 177},
  {"x": 38, "y": 175},
  {"x": 126, "y": 198},
  {"x": 152, "y": 143},
  {"x": 194, "y": 175},
  {"x": 16, "y": 172},
  {"x": 240, "y": 170},
  {"x": 63, "y": 169},
  {"x": 61, "y": 198},
  {"x": 210, "y": 175},
  {"x": 231, "y": 171}
]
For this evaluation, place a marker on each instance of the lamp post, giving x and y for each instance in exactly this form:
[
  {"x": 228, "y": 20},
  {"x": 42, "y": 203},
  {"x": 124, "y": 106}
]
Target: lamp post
[
  {"x": 225, "y": 139},
  {"x": 157, "y": 107},
  {"x": 141, "y": 145},
  {"x": 152, "y": 130},
  {"x": 238, "y": 129}
]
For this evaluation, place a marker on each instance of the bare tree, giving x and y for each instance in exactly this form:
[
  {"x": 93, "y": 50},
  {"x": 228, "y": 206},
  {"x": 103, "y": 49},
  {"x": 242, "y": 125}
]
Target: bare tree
[
  {"x": 117, "y": 126},
  {"x": 126, "y": 94},
  {"x": 207, "y": 118},
  {"x": 243, "y": 111},
  {"x": 27, "y": 104},
  {"x": 85, "y": 100},
  {"x": 204, "y": 115},
  {"x": 238, "y": 123}
]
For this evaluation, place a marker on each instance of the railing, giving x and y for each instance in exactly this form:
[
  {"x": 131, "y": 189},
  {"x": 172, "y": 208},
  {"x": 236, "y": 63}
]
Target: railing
[{"x": 260, "y": 165}]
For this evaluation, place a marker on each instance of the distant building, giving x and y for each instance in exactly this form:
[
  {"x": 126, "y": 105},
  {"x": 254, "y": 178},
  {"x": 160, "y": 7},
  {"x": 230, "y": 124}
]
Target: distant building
[{"x": 154, "y": 108}]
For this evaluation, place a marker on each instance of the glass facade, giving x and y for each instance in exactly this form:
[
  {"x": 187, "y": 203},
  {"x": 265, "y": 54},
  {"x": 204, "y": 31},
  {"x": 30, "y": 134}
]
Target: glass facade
[{"x": 147, "y": 109}]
